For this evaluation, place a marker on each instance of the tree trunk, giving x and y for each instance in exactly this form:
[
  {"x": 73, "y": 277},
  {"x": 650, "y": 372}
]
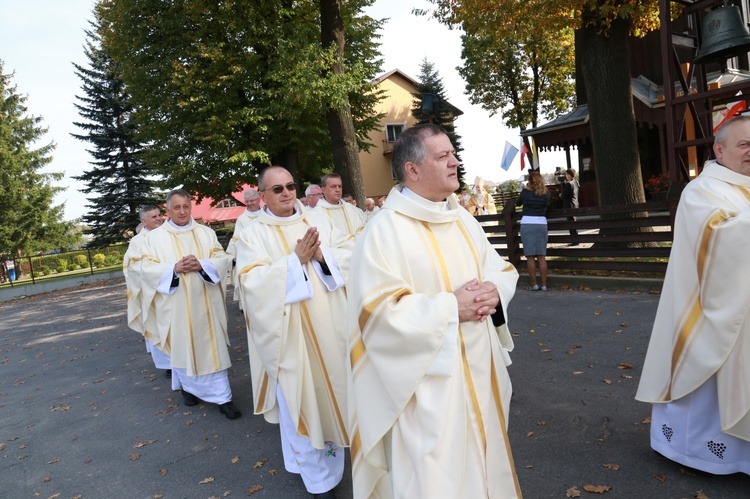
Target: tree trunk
[
  {"x": 605, "y": 60},
  {"x": 340, "y": 123},
  {"x": 606, "y": 73}
]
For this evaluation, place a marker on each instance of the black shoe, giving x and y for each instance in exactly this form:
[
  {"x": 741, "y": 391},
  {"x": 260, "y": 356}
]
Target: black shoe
[
  {"x": 325, "y": 495},
  {"x": 229, "y": 410},
  {"x": 189, "y": 398},
  {"x": 168, "y": 374}
]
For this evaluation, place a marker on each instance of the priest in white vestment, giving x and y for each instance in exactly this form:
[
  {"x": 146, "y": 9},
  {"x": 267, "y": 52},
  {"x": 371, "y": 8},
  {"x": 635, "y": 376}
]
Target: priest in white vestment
[
  {"x": 252, "y": 203},
  {"x": 345, "y": 216},
  {"x": 696, "y": 369},
  {"x": 371, "y": 209},
  {"x": 295, "y": 262},
  {"x": 151, "y": 218},
  {"x": 428, "y": 346},
  {"x": 184, "y": 272}
]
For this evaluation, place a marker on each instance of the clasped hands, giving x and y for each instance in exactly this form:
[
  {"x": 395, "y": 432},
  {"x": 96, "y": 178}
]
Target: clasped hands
[
  {"x": 476, "y": 300},
  {"x": 308, "y": 248},
  {"x": 186, "y": 264}
]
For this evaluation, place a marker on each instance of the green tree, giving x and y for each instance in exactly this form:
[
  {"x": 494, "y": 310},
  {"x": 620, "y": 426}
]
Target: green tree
[
  {"x": 223, "y": 90},
  {"x": 29, "y": 221},
  {"x": 605, "y": 26},
  {"x": 442, "y": 112},
  {"x": 119, "y": 179}
]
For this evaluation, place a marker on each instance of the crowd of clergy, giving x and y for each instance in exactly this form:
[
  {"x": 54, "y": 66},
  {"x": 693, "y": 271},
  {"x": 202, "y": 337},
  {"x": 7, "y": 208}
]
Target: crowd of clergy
[{"x": 414, "y": 382}]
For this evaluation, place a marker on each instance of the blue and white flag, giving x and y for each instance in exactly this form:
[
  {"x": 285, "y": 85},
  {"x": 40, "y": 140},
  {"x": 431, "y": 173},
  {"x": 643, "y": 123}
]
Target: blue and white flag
[{"x": 508, "y": 155}]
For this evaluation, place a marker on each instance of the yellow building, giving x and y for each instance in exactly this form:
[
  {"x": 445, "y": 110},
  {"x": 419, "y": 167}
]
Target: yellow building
[{"x": 396, "y": 105}]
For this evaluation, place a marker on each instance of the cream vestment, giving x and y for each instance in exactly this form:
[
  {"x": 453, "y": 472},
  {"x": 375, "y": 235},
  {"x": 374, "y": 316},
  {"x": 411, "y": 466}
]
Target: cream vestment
[{"x": 429, "y": 396}]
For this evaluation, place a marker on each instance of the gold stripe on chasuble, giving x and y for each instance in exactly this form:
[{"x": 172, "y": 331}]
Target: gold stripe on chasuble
[
  {"x": 188, "y": 311},
  {"x": 695, "y": 313},
  {"x": 503, "y": 426},
  {"x": 355, "y": 445},
  {"x": 744, "y": 192},
  {"x": 263, "y": 392},
  {"x": 471, "y": 246},
  {"x": 346, "y": 219},
  {"x": 308, "y": 328},
  {"x": 467, "y": 370},
  {"x": 370, "y": 307}
]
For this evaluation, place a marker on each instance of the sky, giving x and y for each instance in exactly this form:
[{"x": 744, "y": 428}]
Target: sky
[{"x": 41, "y": 39}]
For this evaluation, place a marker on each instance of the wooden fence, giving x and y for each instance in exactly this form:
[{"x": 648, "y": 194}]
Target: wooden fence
[{"x": 630, "y": 238}]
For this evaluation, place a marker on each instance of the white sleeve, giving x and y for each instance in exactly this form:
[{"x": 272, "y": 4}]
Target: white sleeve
[
  {"x": 166, "y": 281},
  {"x": 210, "y": 270},
  {"x": 298, "y": 287},
  {"x": 333, "y": 281}
]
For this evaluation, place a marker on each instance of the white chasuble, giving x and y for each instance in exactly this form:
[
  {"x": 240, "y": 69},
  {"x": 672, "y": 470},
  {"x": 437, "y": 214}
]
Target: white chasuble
[
  {"x": 345, "y": 216},
  {"x": 239, "y": 224},
  {"x": 423, "y": 423},
  {"x": 300, "y": 346},
  {"x": 131, "y": 268},
  {"x": 701, "y": 327},
  {"x": 191, "y": 322}
]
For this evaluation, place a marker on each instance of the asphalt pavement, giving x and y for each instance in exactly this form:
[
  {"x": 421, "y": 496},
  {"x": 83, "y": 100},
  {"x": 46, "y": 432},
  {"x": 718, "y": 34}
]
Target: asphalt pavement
[{"x": 84, "y": 413}]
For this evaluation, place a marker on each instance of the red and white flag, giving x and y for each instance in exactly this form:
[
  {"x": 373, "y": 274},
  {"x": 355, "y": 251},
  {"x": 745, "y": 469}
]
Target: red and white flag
[{"x": 524, "y": 152}]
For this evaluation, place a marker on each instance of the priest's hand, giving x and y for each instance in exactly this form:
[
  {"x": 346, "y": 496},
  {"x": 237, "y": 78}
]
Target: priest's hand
[
  {"x": 487, "y": 298},
  {"x": 309, "y": 247},
  {"x": 476, "y": 301},
  {"x": 186, "y": 264}
]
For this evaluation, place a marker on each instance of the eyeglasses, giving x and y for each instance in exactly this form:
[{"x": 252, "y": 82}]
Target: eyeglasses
[{"x": 278, "y": 189}]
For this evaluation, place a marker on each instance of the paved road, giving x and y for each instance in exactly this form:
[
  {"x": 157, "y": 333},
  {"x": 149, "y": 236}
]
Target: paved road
[{"x": 83, "y": 412}]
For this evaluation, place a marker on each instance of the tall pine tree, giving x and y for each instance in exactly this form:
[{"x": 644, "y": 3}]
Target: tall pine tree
[
  {"x": 28, "y": 221},
  {"x": 442, "y": 112},
  {"x": 119, "y": 180}
]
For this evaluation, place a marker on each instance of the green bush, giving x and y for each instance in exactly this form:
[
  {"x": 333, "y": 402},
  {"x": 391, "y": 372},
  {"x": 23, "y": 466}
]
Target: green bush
[
  {"x": 72, "y": 266},
  {"x": 112, "y": 260},
  {"x": 98, "y": 259},
  {"x": 60, "y": 269},
  {"x": 81, "y": 260},
  {"x": 36, "y": 274},
  {"x": 46, "y": 271},
  {"x": 62, "y": 262}
]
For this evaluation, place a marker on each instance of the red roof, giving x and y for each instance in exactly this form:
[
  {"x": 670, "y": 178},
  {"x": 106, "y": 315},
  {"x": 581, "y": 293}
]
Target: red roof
[{"x": 209, "y": 214}]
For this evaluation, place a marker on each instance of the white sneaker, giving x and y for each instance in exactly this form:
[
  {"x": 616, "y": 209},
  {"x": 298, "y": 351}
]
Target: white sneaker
[
  {"x": 543, "y": 288},
  {"x": 535, "y": 287}
]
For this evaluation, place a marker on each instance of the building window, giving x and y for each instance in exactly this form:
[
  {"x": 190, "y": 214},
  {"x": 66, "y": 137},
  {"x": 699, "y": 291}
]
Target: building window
[
  {"x": 227, "y": 203},
  {"x": 393, "y": 130}
]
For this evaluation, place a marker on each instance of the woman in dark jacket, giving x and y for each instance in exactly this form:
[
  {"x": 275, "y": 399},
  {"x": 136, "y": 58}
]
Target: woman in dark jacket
[{"x": 535, "y": 199}]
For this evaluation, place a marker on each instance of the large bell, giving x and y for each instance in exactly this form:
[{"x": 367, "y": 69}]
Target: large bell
[{"x": 725, "y": 35}]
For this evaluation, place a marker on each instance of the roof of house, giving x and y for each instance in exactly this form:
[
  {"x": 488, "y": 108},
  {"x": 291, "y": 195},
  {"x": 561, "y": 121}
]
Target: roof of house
[
  {"x": 456, "y": 111},
  {"x": 206, "y": 212}
]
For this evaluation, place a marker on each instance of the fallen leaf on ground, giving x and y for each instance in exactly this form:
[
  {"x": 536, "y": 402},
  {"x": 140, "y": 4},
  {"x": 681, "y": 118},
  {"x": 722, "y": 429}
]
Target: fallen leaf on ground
[
  {"x": 135, "y": 457},
  {"x": 258, "y": 464},
  {"x": 254, "y": 489},
  {"x": 541, "y": 423},
  {"x": 573, "y": 492},
  {"x": 624, "y": 366},
  {"x": 612, "y": 466},
  {"x": 235, "y": 460},
  {"x": 597, "y": 312},
  {"x": 700, "y": 495},
  {"x": 46, "y": 479},
  {"x": 577, "y": 372},
  {"x": 53, "y": 496},
  {"x": 208, "y": 479},
  {"x": 647, "y": 420},
  {"x": 163, "y": 471},
  {"x": 273, "y": 472},
  {"x": 529, "y": 433},
  {"x": 546, "y": 350},
  {"x": 23, "y": 457},
  {"x": 609, "y": 382},
  {"x": 624, "y": 325},
  {"x": 661, "y": 478},
  {"x": 597, "y": 489},
  {"x": 53, "y": 461},
  {"x": 627, "y": 376}
]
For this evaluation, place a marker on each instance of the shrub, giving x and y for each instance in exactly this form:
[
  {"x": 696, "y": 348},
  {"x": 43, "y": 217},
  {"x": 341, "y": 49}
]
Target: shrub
[
  {"x": 113, "y": 259},
  {"x": 98, "y": 259},
  {"x": 36, "y": 274},
  {"x": 60, "y": 269},
  {"x": 62, "y": 262},
  {"x": 72, "y": 266},
  {"x": 81, "y": 260},
  {"x": 46, "y": 271}
]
